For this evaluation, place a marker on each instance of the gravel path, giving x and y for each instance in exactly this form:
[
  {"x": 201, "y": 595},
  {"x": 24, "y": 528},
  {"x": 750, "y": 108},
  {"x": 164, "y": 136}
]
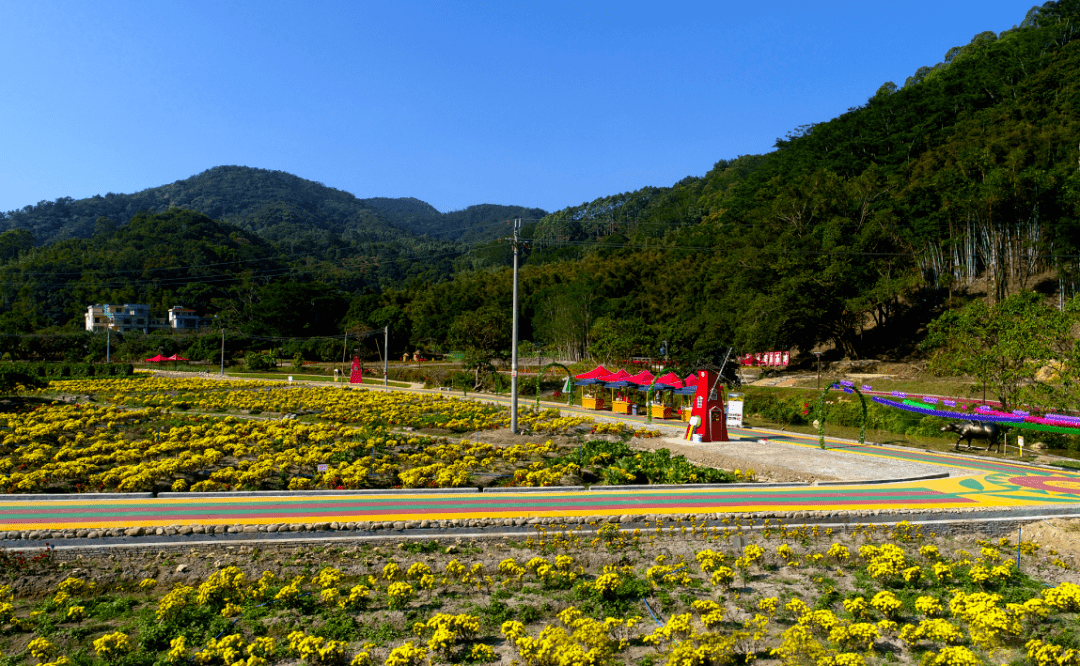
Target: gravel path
[{"x": 779, "y": 461}]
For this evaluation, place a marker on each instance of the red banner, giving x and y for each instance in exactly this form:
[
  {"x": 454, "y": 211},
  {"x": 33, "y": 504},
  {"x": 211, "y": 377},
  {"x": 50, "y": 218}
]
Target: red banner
[{"x": 772, "y": 359}]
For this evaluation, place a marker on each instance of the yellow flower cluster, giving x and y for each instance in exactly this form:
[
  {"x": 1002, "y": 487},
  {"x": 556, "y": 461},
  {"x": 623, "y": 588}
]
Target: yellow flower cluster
[
  {"x": 687, "y": 646},
  {"x": 399, "y": 594},
  {"x": 447, "y": 631},
  {"x": 537, "y": 475},
  {"x": 579, "y": 641},
  {"x": 936, "y": 630},
  {"x": 316, "y": 649},
  {"x": 620, "y": 429},
  {"x": 112, "y": 645},
  {"x": 1048, "y": 654}
]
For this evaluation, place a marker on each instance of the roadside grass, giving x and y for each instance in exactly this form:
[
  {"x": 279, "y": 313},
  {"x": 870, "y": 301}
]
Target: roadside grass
[{"x": 958, "y": 387}]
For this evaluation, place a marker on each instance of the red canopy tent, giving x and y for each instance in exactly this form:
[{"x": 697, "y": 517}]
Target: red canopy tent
[
  {"x": 671, "y": 380},
  {"x": 175, "y": 357},
  {"x": 643, "y": 378},
  {"x": 158, "y": 359},
  {"x": 620, "y": 376},
  {"x": 691, "y": 380},
  {"x": 596, "y": 373}
]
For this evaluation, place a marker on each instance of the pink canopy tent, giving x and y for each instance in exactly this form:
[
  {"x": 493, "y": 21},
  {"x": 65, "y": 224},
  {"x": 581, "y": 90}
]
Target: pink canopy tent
[{"x": 176, "y": 357}]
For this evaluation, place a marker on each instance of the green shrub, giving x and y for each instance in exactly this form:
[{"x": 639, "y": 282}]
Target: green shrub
[{"x": 256, "y": 362}]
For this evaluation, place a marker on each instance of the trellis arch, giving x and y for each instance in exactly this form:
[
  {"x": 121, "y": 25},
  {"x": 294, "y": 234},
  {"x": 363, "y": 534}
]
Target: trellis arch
[
  {"x": 569, "y": 376},
  {"x": 819, "y": 415}
]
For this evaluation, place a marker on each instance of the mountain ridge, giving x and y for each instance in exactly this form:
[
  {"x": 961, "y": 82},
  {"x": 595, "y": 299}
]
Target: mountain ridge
[{"x": 274, "y": 204}]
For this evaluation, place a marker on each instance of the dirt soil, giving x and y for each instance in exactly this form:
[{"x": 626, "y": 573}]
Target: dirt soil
[{"x": 1060, "y": 534}]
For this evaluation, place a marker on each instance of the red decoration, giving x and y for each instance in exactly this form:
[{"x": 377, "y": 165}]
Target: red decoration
[
  {"x": 709, "y": 408},
  {"x": 357, "y": 376}
]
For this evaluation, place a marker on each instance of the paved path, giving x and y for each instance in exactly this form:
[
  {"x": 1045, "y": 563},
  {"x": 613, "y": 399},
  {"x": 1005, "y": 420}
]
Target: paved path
[{"x": 985, "y": 482}]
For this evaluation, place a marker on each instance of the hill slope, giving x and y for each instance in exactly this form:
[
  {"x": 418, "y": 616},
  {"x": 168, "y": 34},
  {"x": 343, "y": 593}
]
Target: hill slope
[
  {"x": 856, "y": 230},
  {"x": 273, "y": 204}
]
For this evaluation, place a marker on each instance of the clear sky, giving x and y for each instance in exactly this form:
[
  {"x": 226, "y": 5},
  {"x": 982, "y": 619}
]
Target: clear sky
[{"x": 456, "y": 103}]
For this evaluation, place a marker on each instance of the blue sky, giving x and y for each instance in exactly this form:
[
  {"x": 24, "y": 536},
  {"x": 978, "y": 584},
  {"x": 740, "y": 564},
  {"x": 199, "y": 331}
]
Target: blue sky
[{"x": 535, "y": 104}]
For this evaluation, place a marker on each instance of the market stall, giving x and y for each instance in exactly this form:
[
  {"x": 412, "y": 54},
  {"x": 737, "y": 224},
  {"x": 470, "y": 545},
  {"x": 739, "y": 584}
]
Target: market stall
[
  {"x": 617, "y": 383},
  {"x": 592, "y": 396},
  {"x": 663, "y": 403}
]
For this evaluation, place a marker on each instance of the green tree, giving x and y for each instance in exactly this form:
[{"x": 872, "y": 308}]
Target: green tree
[
  {"x": 15, "y": 242},
  {"x": 616, "y": 340},
  {"x": 483, "y": 335},
  {"x": 1003, "y": 346}
]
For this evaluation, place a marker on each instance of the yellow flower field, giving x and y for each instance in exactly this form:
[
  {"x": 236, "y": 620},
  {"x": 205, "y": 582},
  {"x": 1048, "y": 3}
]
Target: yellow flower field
[
  {"x": 151, "y": 434},
  {"x": 568, "y": 595}
]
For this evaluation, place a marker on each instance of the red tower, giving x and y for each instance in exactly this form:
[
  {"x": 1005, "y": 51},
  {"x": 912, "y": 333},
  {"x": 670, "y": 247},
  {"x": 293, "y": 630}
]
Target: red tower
[{"x": 708, "y": 409}]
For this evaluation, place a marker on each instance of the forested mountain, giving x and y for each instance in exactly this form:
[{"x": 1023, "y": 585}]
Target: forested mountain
[
  {"x": 278, "y": 206},
  {"x": 964, "y": 180},
  {"x": 961, "y": 183}
]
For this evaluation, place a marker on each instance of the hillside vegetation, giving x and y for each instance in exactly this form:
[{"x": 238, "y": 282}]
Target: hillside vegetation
[{"x": 854, "y": 233}]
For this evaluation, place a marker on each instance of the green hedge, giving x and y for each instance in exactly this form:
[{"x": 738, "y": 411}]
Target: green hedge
[{"x": 77, "y": 370}]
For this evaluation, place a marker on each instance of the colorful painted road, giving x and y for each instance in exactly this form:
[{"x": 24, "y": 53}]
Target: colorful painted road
[{"x": 996, "y": 483}]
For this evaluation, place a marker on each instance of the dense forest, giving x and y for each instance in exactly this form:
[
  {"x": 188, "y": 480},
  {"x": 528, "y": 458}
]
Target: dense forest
[{"x": 854, "y": 233}]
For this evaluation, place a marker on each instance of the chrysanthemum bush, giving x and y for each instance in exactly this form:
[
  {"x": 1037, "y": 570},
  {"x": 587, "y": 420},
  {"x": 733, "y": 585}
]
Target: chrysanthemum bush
[
  {"x": 678, "y": 592},
  {"x": 190, "y": 435}
]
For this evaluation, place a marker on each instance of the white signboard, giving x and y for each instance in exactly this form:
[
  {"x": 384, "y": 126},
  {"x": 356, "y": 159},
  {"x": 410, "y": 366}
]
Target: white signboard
[{"x": 734, "y": 410}]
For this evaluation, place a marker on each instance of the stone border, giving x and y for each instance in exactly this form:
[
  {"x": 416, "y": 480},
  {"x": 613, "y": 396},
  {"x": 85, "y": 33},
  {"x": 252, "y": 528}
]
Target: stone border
[
  {"x": 786, "y": 484},
  {"x": 698, "y": 486},
  {"x": 521, "y": 526},
  {"x": 993, "y": 523},
  {"x": 535, "y": 489},
  {"x": 319, "y": 493},
  {"x": 73, "y": 497}
]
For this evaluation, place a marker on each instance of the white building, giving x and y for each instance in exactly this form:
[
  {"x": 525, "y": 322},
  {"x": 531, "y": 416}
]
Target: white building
[{"x": 132, "y": 317}]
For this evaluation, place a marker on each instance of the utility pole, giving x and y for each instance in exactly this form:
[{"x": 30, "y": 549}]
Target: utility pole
[
  {"x": 514, "y": 340},
  {"x": 108, "y": 350},
  {"x": 344, "y": 350},
  {"x": 386, "y": 354},
  {"x": 818, "y": 370},
  {"x": 222, "y": 352}
]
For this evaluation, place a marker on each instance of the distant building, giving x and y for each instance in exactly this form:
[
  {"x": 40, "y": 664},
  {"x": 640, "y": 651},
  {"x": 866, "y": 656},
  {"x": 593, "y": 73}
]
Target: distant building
[
  {"x": 135, "y": 317},
  {"x": 185, "y": 319}
]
